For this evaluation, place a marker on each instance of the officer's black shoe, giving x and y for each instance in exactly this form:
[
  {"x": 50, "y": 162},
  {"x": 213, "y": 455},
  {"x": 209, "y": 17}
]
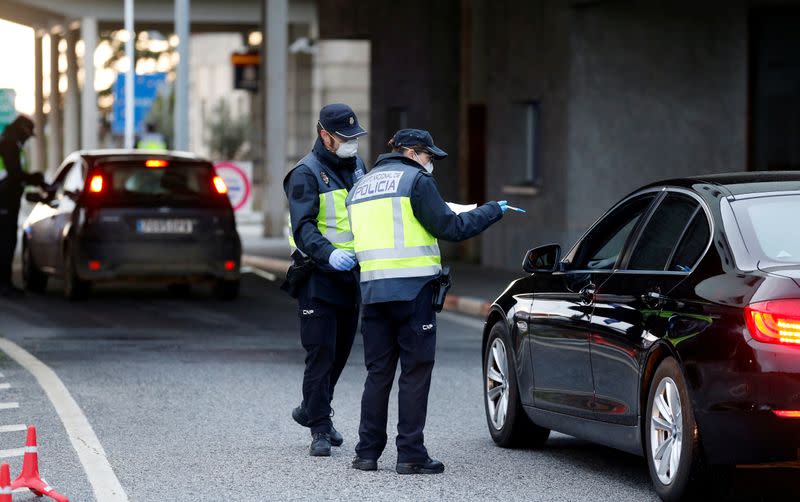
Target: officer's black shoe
[
  {"x": 336, "y": 437},
  {"x": 10, "y": 291},
  {"x": 430, "y": 466},
  {"x": 365, "y": 464},
  {"x": 320, "y": 445},
  {"x": 300, "y": 416}
]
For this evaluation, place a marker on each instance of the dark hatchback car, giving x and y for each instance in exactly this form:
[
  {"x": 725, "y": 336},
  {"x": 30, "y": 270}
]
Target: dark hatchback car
[
  {"x": 671, "y": 329},
  {"x": 131, "y": 215}
]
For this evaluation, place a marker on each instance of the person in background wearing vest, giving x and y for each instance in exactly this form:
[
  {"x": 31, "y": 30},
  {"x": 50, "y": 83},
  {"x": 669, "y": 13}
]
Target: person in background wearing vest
[
  {"x": 322, "y": 244},
  {"x": 151, "y": 139},
  {"x": 397, "y": 215},
  {"x": 13, "y": 179}
]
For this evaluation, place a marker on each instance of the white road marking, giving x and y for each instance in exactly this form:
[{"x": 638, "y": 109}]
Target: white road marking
[
  {"x": 90, "y": 452},
  {"x": 13, "y": 452},
  {"x": 465, "y": 321},
  {"x": 9, "y": 406},
  {"x": 13, "y": 428},
  {"x": 4, "y": 386},
  {"x": 261, "y": 273}
]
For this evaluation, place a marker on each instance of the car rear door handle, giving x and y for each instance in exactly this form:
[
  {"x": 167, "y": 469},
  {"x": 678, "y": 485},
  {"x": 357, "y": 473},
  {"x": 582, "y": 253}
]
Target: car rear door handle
[{"x": 587, "y": 293}]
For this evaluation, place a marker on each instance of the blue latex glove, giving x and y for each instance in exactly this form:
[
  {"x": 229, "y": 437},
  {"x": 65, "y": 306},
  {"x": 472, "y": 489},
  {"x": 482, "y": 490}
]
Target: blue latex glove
[
  {"x": 342, "y": 260},
  {"x": 503, "y": 205}
]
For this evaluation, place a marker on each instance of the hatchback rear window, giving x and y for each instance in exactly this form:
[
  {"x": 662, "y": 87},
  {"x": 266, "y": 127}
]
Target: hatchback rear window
[
  {"x": 769, "y": 227},
  {"x": 160, "y": 179}
]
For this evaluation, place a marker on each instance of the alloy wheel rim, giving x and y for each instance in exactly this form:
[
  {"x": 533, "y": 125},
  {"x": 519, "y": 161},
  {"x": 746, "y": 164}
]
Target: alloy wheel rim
[
  {"x": 497, "y": 384},
  {"x": 666, "y": 430}
]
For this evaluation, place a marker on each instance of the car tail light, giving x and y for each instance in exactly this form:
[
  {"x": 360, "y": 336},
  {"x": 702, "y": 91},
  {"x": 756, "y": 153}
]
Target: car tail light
[
  {"x": 156, "y": 163},
  {"x": 775, "y": 321},
  {"x": 96, "y": 184},
  {"x": 220, "y": 185},
  {"x": 787, "y": 413},
  {"x": 230, "y": 265}
]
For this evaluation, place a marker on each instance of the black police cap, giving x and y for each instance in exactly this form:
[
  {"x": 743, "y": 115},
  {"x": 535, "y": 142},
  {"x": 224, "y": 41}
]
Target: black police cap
[
  {"x": 340, "y": 119},
  {"x": 418, "y": 137}
]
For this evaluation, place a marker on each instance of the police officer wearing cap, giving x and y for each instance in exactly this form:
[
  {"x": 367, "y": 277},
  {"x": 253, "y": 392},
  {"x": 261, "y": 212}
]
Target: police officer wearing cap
[
  {"x": 397, "y": 215},
  {"x": 322, "y": 246},
  {"x": 13, "y": 179}
]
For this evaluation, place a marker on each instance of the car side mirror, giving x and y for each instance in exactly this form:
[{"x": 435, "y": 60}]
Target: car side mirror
[{"x": 542, "y": 259}]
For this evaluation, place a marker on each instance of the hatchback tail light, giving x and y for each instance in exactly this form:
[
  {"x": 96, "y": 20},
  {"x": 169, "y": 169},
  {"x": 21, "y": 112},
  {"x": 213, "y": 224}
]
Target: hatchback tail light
[
  {"x": 220, "y": 186},
  {"x": 96, "y": 184},
  {"x": 787, "y": 413},
  {"x": 775, "y": 321}
]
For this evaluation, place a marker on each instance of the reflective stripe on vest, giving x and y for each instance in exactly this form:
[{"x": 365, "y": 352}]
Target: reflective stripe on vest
[{"x": 389, "y": 241}]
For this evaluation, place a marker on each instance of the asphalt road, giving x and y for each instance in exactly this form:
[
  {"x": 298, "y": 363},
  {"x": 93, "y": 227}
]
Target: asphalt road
[{"x": 191, "y": 399}]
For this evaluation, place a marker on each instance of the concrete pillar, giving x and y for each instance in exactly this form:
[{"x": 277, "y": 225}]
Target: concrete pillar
[
  {"x": 72, "y": 112},
  {"x": 181, "y": 117},
  {"x": 274, "y": 62},
  {"x": 55, "y": 146},
  {"x": 130, "y": 76},
  {"x": 88, "y": 95},
  {"x": 40, "y": 150}
]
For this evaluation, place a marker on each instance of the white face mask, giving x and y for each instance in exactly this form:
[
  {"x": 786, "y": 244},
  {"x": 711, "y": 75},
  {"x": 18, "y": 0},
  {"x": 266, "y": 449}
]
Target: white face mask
[
  {"x": 347, "y": 149},
  {"x": 428, "y": 167}
]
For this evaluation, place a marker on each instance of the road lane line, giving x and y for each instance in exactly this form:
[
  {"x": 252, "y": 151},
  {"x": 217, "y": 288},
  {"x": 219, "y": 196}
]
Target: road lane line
[
  {"x": 463, "y": 320},
  {"x": 13, "y": 428},
  {"x": 4, "y": 386},
  {"x": 9, "y": 406},
  {"x": 105, "y": 484},
  {"x": 259, "y": 272},
  {"x": 13, "y": 452}
]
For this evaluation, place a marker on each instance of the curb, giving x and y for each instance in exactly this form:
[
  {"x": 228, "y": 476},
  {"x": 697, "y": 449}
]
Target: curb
[{"x": 467, "y": 305}]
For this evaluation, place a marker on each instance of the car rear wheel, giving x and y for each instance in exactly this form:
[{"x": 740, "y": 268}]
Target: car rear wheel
[
  {"x": 226, "y": 289},
  {"x": 509, "y": 425},
  {"x": 32, "y": 278},
  {"x": 673, "y": 446},
  {"x": 75, "y": 288}
]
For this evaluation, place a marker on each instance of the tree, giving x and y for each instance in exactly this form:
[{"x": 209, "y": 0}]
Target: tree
[{"x": 225, "y": 134}]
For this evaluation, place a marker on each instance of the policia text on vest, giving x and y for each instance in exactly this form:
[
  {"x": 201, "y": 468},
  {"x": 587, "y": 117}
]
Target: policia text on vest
[{"x": 397, "y": 216}]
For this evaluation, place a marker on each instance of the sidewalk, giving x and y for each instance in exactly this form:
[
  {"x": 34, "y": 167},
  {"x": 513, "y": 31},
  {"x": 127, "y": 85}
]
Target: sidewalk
[{"x": 474, "y": 287}]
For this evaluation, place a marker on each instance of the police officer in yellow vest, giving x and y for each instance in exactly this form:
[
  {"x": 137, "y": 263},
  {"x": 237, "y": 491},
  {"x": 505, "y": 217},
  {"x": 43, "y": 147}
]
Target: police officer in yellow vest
[
  {"x": 13, "y": 179},
  {"x": 322, "y": 244},
  {"x": 397, "y": 215},
  {"x": 151, "y": 139}
]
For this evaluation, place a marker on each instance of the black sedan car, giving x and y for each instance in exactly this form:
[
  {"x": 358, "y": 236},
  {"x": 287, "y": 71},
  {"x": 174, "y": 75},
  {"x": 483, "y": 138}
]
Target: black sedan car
[
  {"x": 671, "y": 329},
  {"x": 132, "y": 215}
]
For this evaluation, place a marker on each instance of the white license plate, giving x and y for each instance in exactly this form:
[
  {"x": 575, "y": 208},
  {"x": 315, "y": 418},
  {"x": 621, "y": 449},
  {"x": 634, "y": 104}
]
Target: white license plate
[{"x": 165, "y": 226}]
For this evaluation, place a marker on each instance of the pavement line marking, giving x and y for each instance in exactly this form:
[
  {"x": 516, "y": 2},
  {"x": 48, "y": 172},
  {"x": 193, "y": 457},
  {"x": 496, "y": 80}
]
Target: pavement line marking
[
  {"x": 4, "y": 386},
  {"x": 90, "y": 452},
  {"x": 463, "y": 320},
  {"x": 259, "y": 272},
  {"x": 9, "y": 406},
  {"x": 13, "y": 428},
  {"x": 13, "y": 452}
]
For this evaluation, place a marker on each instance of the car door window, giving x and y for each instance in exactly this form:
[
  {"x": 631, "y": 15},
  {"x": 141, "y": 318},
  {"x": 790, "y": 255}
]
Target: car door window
[
  {"x": 73, "y": 181},
  {"x": 663, "y": 231},
  {"x": 692, "y": 245},
  {"x": 603, "y": 245}
]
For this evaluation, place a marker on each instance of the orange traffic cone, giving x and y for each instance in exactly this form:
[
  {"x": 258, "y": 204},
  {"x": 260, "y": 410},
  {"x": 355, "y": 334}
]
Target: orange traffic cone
[
  {"x": 5, "y": 484},
  {"x": 29, "y": 477}
]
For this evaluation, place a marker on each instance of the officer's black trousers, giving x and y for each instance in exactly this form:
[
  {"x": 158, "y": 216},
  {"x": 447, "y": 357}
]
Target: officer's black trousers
[
  {"x": 8, "y": 242},
  {"x": 404, "y": 331},
  {"x": 327, "y": 332}
]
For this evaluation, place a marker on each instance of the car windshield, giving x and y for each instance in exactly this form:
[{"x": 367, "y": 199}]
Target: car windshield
[
  {"x": 768, "y": 227},
  {"x": 168, "y": 180}
]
